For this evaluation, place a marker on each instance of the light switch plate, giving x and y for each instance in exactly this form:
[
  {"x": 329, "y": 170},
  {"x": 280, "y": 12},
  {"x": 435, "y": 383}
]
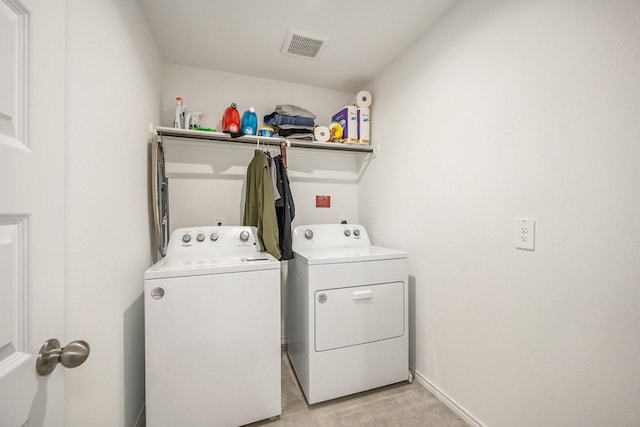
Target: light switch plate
[{"x": 525, "y": 233}]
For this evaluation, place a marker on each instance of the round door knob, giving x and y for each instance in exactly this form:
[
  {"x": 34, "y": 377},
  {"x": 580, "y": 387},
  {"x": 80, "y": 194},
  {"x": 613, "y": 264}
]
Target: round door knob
[
  {"x": 308, "y": 234},
  {"x": 347, "y": 233},
  {"x": 200, "y": 237},
  {"x": 244, "y": 236},
  {"x": 74, "y": 354},
  {"x": 186, "y": 238},
  {"x": 214, "y": 236},
  {"x": 71, "y": 356}
]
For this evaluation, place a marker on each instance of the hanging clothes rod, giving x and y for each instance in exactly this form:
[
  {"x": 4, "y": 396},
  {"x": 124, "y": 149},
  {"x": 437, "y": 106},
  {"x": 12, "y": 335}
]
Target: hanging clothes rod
[{"x": 250, "y": 139}]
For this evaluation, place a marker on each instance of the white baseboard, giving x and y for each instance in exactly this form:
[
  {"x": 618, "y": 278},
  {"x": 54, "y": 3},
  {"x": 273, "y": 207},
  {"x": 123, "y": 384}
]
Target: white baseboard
[
  {"x": 449, "y": 402},
  {"x": 142, "y": 418}
]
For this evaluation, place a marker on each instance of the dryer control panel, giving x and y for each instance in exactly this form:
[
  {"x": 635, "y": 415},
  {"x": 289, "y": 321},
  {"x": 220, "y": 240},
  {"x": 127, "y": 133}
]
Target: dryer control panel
[
  {"x": 330, "y": 236},
  {"x": 213, "y": 240}
]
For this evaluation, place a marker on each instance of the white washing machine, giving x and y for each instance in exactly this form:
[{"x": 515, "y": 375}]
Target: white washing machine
[
  {"x": 347, "y": 312},
  {"x": 212, "y": 330}
]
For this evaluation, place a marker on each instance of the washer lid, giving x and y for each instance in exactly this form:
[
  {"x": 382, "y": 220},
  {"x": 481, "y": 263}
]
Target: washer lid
[
  {"x": 348, "y": 254},
  {"x": 181, "y": 266}
]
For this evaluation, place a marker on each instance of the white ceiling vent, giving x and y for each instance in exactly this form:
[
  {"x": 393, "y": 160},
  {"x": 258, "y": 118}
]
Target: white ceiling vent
[{"x": 303, "y": 45}]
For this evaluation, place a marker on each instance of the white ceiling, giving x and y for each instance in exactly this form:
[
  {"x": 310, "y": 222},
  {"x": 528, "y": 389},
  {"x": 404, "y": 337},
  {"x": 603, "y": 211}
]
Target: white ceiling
[{"x": 246, "y": 36}]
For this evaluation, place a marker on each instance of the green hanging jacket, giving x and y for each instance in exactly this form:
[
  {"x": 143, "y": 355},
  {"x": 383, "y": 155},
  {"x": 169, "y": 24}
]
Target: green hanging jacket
[{"x": 259, "y": 208}]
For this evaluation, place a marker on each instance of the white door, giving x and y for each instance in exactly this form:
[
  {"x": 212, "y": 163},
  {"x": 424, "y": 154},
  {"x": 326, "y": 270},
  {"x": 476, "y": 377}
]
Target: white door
[{"x": 32, "y": 130}]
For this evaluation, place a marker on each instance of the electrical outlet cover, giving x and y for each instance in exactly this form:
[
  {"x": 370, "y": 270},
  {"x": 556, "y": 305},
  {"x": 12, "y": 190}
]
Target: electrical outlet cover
[{"x": 525, "y": 233}]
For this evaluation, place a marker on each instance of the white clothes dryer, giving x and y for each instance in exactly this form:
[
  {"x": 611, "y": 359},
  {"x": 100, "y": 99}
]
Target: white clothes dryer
[
  {"x": 212, "y": 330},
  {"x": 347, "y": 312}
]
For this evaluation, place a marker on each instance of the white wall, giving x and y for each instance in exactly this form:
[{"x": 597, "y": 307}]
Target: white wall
[
  {"x": 114, "y": 88},
  {"x": 206, "y": 181},
  {"x": 518, "y": 109}
]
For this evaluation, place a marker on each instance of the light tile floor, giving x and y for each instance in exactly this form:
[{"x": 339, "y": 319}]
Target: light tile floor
[{"x": 397, "y": 405}]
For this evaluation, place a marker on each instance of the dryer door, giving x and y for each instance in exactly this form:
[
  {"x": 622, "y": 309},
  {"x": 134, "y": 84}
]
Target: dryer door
[{"x": 358, "y": 315}]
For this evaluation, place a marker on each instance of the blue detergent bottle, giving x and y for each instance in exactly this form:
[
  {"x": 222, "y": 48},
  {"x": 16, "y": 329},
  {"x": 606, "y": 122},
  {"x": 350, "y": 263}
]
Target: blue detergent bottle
[{"x": 249, "y": 122}]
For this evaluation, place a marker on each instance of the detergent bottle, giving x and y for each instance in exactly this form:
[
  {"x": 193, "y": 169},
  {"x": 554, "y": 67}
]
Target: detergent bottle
[
  {"x": 249, "y": 122},
  {"x": 231, "y": 119}
]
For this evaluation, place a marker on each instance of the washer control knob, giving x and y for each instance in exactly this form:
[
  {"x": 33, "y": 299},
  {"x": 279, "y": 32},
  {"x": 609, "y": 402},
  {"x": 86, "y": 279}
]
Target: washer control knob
[
  {"x": 186, "y": 238},
  {"x": 356, "y": 232},
  {"x": 347, "y": 233},
  {"x": 200, "y": 237},
  {"x": 244, "y": 236},
  {"x": 308, "y": 234},
  {"x": 214, "y": 236}
]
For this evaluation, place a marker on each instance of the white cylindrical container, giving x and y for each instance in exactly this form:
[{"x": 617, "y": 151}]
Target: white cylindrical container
[{"x": 178, "y": 121}]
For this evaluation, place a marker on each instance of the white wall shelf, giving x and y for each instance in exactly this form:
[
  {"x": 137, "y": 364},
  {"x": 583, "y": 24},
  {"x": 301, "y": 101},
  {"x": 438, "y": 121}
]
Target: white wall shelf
[{"x": 253, "y": 140}]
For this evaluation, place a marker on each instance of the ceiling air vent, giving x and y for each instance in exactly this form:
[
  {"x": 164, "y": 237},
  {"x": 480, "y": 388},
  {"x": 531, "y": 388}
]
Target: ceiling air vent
[{"x": 303, "y": 45}]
